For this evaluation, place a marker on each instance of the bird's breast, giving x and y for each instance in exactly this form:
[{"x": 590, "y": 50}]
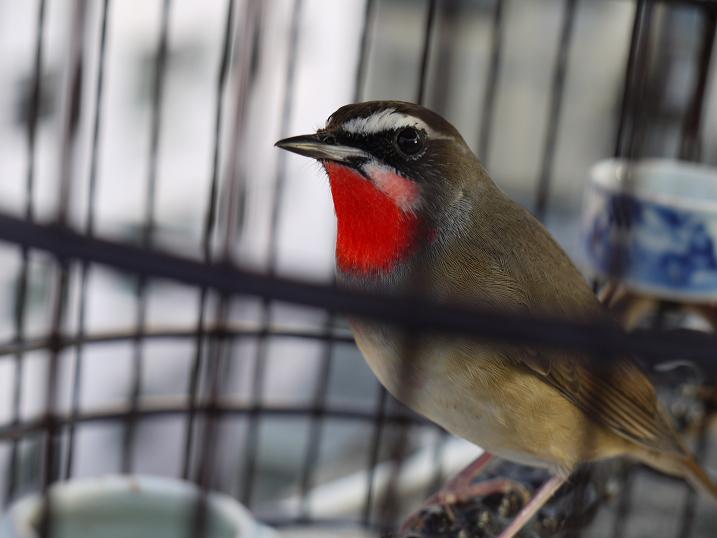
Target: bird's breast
[
  {"x": 474, "y": 392},
  {"x": 426, "y": 377}
]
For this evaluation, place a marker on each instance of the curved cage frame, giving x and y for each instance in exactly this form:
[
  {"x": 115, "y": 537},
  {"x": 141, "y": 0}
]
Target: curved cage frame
[{"x": 218, "y": 277}]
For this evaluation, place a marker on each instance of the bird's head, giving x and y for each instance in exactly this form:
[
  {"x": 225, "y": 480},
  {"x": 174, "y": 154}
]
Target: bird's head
[{"x": 398, "y": 172}]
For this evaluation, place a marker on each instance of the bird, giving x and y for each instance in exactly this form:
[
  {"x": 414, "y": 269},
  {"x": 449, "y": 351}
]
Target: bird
[{"x": 416, "y": 211}]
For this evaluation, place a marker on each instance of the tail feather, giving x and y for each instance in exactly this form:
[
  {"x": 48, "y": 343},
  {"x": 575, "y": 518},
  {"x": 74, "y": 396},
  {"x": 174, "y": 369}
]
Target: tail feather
[
  {"x": 698, "y": 477},
  {"x": 682, "y": 465}
]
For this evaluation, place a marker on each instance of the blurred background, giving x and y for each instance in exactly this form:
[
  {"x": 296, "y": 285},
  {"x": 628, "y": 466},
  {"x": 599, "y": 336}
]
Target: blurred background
[{"x": 175, "y": 96}]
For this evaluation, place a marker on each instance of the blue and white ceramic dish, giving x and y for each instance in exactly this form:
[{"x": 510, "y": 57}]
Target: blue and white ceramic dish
[
  {"x": 653, "y": 224},
  {"x": 129, "y": 506}
]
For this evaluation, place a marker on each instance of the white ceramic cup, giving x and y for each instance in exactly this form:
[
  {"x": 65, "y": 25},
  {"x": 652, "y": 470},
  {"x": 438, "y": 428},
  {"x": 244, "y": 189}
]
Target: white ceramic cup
[
  {"x": 129, "y": 506},
  {"x": 653, "y": 225}
]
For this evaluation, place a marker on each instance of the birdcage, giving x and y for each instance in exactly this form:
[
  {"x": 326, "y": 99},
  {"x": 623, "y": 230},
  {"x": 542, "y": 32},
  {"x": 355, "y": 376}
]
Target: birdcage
[{"x": 170, "y": 309}]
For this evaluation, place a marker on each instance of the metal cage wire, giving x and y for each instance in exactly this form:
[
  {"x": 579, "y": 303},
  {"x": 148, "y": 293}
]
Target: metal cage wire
[{"x": 219, "y": 279}]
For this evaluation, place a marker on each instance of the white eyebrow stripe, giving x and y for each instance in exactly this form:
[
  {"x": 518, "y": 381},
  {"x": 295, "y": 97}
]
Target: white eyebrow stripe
[{"x": 387, "y": 120}]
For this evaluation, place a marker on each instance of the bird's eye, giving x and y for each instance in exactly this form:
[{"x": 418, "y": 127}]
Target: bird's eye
[
  {"x": 409, "y": 141},
  {"x": 326, "y": 138}
]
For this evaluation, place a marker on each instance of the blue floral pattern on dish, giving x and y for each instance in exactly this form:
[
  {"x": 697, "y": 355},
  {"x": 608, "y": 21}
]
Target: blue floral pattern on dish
[{"x": 669, "y": 251}]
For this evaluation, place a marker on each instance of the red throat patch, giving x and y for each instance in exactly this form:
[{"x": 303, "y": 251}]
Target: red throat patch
[{"x": 374, "y": 233}]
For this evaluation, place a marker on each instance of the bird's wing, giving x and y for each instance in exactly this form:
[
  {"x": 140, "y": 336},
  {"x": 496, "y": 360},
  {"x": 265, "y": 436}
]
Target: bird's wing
[
  {"x": 616, "y": 395},
  {"x": 531, "y": 273},
  {"x": 619, "y": 396}
]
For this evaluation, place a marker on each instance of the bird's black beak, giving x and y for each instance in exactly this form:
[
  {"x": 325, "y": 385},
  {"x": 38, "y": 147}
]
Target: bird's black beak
[{"x": 322, "y": 148}]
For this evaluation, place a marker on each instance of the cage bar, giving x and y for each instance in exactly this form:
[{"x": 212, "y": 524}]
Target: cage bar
[
  {"x": 90, "y": 219},
  {"x": 311, "y": 456},
  {"x": 209, "y": 227},
  {"x": 259, "y": 365},
  {"x": 20, "y": 306},
  {"x": 491, "y": 85},
  {"x": 148, "y": 229},
  {"x": 415, "y": 313},
  {"x": 557, "y": 91},
  {"x": 71, "y": 98}
]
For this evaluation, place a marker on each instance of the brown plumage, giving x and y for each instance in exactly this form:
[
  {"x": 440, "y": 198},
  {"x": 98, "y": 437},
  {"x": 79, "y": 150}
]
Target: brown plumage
[
  {"x": 534, "y": 274},
  {"x": 541, "y": 407}
]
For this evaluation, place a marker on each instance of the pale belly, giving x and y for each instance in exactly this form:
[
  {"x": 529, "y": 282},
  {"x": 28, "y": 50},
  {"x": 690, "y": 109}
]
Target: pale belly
[{"x": 474, "y": 394}]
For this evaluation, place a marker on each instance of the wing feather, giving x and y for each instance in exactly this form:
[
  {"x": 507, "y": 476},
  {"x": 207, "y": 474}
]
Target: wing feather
[{"x": 619, "y": 397}]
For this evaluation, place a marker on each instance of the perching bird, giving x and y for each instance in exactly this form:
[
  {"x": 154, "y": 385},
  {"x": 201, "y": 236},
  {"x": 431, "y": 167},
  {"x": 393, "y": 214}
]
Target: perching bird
[{"x": 416, "y": 210}]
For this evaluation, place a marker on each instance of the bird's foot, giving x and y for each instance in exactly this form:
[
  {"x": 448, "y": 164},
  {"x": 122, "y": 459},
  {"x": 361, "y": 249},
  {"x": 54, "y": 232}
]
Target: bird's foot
[
  {"x": 468, "y": 474},
  {"x": 461, "y": 496},
  {"x": 471, "y": 505},
  {"x": 536, "y": 503},
  {"x": 502, "y": 487}
]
